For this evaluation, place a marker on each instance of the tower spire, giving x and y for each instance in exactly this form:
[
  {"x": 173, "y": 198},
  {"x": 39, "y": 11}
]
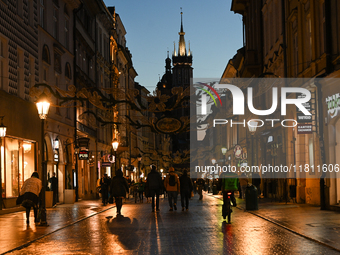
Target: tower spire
[
  {"x": 175, "y": 53},
  {"x": 181, "y": 46}
]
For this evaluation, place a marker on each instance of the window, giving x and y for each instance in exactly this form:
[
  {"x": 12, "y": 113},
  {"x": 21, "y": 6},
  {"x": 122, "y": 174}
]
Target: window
[
  {"x": 45, "y": 74},
  {"x": 322, "y": 28},
  {"x": 42, "y": 13},
  {"x": 67, "y": 32},
  {"x": 309, "y": 38},
  {"x": 55, "y": 23},
  {"x": 68, "y": 71},
  {"x": 2, "y": 62},
  {"x": 57, "y": 62},
  {"x": 57, "y": 109},
  {"x": 18, "y": 164},
  {"x": 30, "y": 12},
  {"x": 296, "y": 54},
  {"x": 100, "y": 40},
  {"x": 46, "y": 54},
  {"x": 20, "y": 8},
  {"x": 21, "y": 77}
]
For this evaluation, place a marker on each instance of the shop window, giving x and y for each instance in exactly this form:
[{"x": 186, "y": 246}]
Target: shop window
[{"x": 18, "y": 165}]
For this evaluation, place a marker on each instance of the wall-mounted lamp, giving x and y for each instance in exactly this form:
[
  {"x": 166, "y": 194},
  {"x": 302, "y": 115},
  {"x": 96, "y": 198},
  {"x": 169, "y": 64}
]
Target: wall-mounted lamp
[{"x": 3, "y": 128}]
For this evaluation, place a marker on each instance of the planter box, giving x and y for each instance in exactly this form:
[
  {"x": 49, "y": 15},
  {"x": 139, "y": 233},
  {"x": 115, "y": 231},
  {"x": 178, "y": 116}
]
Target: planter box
[
  {"x": 49, "y": 199},
  {"x": 70, "y": 196}
]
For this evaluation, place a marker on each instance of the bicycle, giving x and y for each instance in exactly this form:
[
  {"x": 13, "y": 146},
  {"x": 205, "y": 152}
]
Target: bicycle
[{"x": 226, "y": 210}]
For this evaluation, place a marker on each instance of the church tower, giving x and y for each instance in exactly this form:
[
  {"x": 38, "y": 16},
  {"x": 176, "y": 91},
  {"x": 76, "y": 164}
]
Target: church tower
[{"x": 182, "y": 71}]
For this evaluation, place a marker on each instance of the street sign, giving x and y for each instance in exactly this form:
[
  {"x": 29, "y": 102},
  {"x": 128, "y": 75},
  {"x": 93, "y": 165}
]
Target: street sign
[
  {"x": 304, "y": 129},
  {"x": 83, "y": 155},
  {"x": 300, "y": 117}
]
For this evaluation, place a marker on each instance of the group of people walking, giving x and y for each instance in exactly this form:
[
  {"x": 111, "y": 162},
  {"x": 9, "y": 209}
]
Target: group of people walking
[{"x": 173, "y": 185}]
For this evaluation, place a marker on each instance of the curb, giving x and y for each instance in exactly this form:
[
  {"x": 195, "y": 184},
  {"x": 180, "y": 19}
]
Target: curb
[
  {"x": 40, "y": 237},
  {"x": 284, "y": 227}
]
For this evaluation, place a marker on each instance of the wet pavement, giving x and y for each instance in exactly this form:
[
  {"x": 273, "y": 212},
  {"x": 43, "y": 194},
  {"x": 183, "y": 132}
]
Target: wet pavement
[{"x": 200, "y": 230}]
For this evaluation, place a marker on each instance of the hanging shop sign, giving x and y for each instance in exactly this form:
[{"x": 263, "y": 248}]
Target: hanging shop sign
[
  {"x": 83, "y": 155},
  {"x": 333, "y": 104},
  {"x": 303, "y": 129},
  {"x": 238, "y": 151},
  {"x": 300, "y": 117}
]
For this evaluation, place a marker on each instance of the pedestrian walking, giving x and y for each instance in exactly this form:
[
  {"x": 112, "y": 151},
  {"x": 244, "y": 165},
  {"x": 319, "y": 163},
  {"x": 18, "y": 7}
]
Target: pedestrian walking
[
  {"x": 105, "y": 185},
  {"x": 186, "y": 187},
  {"x": 54, "y": 185},
  {"x": 195, "y": 187},
  {"x": 154, "y": 184},
  {"x": 172, "y": 187},
  {"x": 118, "y": 189},
  {"x": 243, "y": 183},
  {"x": 29, "y": 196},
  {"x": 257, "y": 182},
  {"x": 140, "y": 190},
  {"x": 200, "y": 186}
]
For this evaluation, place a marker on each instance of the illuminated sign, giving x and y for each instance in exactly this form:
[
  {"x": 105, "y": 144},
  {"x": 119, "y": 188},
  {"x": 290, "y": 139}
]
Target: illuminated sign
[
  {"x": 333, "y": 104},
  {"x": 304, "y": 129},
  {"x": 83, "y": 155}
]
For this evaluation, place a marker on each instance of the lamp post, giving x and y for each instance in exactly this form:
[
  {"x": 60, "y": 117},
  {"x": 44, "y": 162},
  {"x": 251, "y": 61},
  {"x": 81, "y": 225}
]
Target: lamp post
[
  {"x": 224, "y": 151},
  {"x": 252, "y": 129},
  {"x": 43, "y": 106},
  {"x": 139, "y": 157},
  {"x": 3, "y": 129},
  {"x": 213, "y": 161},
  {"x": 115, "y": 147}
]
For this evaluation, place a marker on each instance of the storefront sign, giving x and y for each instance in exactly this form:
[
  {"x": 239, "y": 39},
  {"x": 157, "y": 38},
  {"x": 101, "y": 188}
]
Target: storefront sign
[
  {"x": 301, "y": 118},
  {"x": 333, "y": 104},
  {"x": 106, "y": 164},
  {"x": 237, "y": 151},
  {"x": 304, "y": 129},
  {"x": 83, "y": 155}
]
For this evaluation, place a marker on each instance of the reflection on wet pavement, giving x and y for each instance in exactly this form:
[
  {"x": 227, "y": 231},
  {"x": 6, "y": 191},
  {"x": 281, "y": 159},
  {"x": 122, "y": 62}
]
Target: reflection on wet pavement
[{"x": 198, "y": 231}]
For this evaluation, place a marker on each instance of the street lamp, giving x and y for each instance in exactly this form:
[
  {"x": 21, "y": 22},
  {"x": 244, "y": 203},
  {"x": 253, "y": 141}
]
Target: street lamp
[
  {"x": 252, "y": 125},
  {"x": 2, "y": 134},
  {"x": 139, "y": 157},
  {"x": 43, "y": 106},
  {"x": 115, "y": 147},
  {"x": 213, "y": 161},
  {"x": 224, "y": 151}
]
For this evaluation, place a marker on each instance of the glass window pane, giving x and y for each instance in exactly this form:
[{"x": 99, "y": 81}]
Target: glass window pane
[
  {"x": 12, "y": 167},
  {"x": 2, "y": 166},
  {"x": 28, "y": 159}
]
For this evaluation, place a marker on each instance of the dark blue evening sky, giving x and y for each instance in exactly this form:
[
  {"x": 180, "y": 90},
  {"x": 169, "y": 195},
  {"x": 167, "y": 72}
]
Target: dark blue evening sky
[{"x": 214, "y": 32}]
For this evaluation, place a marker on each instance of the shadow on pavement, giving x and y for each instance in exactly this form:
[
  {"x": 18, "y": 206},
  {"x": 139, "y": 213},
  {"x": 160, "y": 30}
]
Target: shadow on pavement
[{"x": 125, "y": 230}]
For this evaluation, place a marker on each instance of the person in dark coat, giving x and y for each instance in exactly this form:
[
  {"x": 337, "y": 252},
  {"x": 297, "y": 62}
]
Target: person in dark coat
[
  {"x": 54, "y": 186},
  {"x": 29, "y": 194},
  {"x": 256, "y": 181},
  {"x": 155, "y": 184},
  {"x": 200, "y": 186},
  {"x": 104, "y": 186},
  {"x": 186, "y": 188},
  {"x": 119, "y": 188}
]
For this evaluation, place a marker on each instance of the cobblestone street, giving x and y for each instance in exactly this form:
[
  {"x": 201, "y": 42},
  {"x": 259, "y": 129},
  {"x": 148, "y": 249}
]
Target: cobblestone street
[{"x": 139, "y": 231}]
